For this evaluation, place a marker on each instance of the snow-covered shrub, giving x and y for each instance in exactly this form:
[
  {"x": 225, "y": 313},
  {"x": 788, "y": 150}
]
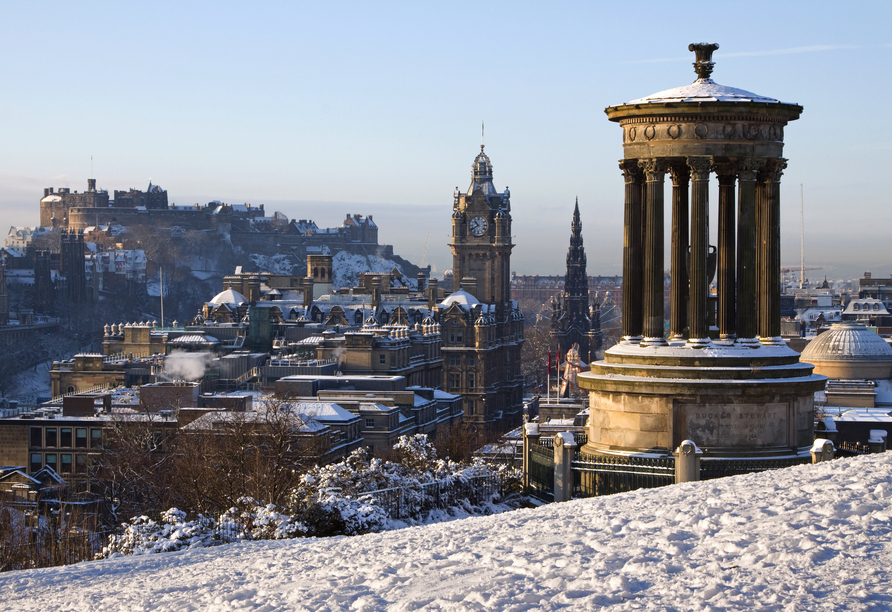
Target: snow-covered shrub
[
  {"x": 144, "y": 536},
  {"x": 252, "y": 520},
  {"x": 361, "y": 494}
]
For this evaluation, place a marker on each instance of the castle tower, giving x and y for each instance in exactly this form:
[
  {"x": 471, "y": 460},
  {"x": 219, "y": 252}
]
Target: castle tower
[{"x": 572, "y": 325}]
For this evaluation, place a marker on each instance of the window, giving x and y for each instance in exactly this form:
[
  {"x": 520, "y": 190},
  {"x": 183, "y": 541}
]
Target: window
[
  {"x": 454, "y": 381},
  {"x": 66, "y": 463},
  {"x": 51, "y": 460},
  {"x": 51, "y": 437},
  {"x": 65, "y": 437},
  {"x": 472, "y": 360},
  {"x": 95, "y": 438},
  {"x": 454, "y": 360},
  {"x": 36, "y": 462},
  {"x": 80, "y": 463},
  {"x": 382, "y": 359},
  {"x": 471, "y": 381},
  {"x": 36, "y": 437},
  {"x": 80, "y": 437},
  {"x": 370, "y": 423},
  {"x": 856, "y": 307}
]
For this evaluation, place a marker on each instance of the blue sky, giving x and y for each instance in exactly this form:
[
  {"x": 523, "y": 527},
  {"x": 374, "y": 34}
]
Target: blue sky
[{"x": 322, "y": 109}]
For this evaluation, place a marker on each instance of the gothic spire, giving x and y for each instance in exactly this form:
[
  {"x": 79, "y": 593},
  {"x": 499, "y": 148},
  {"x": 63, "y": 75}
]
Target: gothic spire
[{"x": 576, "y": 228}]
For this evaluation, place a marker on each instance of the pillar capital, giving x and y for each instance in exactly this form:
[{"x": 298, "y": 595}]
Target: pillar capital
[
  {"x": 726, "y": 172},
  {"x": 747, "y": 167},
  {"x": 631, "y": 171},
  {"x": 680, "y": 173},
  {"x": 654, "y": 168},
  {"x": 700, "y": 167},
  {"x": 773, "y": 170}
]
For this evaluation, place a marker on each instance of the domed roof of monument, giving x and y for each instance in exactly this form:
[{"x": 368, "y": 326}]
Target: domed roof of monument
[
  {"x": 704, "y": 89},
  {"x": 847, "y": 342},
  {"x": 230, "y": 296},
  {"x": 462, "y": 298}
]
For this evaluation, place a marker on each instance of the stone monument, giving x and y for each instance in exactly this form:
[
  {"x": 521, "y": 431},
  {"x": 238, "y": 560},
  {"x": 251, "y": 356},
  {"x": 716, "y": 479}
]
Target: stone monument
[{"x": 738, "y": 390}]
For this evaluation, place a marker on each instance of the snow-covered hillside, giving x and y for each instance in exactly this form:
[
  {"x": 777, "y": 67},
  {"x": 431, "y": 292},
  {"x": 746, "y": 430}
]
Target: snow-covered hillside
[{"x": 804, "y": 538}]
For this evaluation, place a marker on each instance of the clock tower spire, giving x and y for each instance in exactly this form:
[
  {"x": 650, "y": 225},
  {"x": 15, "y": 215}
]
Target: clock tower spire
[{"x": 481, "y": 236}]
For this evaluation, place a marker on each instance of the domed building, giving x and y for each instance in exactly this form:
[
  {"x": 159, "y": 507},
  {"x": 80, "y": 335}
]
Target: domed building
[{"x": 849, "y": 351}]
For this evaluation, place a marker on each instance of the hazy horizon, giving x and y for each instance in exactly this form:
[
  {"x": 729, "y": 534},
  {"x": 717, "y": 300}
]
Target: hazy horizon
[{"x": 319, "y": 111}]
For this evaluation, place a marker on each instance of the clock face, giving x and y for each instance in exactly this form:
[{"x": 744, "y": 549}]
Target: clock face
[{"x": 478, "y": 226}]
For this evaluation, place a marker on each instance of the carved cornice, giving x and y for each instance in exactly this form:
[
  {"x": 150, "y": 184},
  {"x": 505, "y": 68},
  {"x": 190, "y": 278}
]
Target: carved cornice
[
  {"x": 710, "y": 117},
  {"x": 700, "y": 167},
  {"x": 773, "y": 170},
  {"x": 747, "y": 167},
  {"x": 668, "y": 128},
  {"x": 680, "y": 173},
  {"x": 654, "y": 168},
  {"x": 631, "y": 171}
]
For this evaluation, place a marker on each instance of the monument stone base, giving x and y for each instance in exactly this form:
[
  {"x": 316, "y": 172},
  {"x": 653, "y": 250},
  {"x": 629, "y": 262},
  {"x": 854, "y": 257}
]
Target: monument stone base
[{"x": 732, "y": 401}]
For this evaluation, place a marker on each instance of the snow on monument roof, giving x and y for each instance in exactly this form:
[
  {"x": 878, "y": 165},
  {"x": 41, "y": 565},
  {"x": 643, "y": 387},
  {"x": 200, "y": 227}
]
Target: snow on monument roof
[
  {"x": 230, "y": 296},
  {"x": 703, "y": 90},
  {"x": 847, "y": 342},
  {"x": 462, "y": 298}
]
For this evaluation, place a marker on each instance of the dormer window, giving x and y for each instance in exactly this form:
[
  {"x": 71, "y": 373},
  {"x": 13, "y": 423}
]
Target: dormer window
[{"x": 856, "y": 307}]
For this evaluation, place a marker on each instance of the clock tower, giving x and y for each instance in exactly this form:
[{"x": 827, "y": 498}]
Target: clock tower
[
  {"x": 481, "y": 237},
  {"x": 481, "y": 327}
]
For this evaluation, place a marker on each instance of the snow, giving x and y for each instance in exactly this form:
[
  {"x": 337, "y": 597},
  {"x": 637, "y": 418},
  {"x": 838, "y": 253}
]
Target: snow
[
  {"x": 812, "y": 537},
  {"x": 346, "y": 267},
  {"x": 704, "y": 90}
]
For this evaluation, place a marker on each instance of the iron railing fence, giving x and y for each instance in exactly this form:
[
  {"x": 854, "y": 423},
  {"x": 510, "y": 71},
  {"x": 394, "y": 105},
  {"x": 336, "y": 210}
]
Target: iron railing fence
[
  {"x": 541, "y": 477},
  {"x": 719, "y": 468},
  {"x": 596, "y": 475},
  {"x": 42, "y": 549},
  {"x": 419, "y": 500},
  {"x": 851, "y": 449}
]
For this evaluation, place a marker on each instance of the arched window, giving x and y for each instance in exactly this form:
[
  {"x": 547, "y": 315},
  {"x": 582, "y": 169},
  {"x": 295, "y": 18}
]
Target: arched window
[
  {"x": 856, "y": 307},
  {"x": 876, "y": 306}
]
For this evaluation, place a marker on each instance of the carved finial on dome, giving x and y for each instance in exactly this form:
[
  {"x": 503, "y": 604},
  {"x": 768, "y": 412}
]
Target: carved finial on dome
[{"x": 704, "y": 64}]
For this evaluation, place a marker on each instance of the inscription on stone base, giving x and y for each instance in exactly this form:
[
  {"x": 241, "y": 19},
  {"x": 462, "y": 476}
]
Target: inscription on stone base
[{"x": 733, "y": 425}]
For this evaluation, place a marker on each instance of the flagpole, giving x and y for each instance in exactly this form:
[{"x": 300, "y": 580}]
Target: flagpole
[{"x": 548, "y": 380}]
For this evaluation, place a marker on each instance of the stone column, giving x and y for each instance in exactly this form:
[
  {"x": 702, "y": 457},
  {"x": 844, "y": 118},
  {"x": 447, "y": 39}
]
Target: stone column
[
  {"x": 655, "y": 172},
  {"x": 632, "y": 268},
  {"x": 769, "y": 257},
  {"x": 678, "y": 300},
  {"x": 687, "y": 462},
  {"x": 699, "y": 294},
  {"x": 727, "y": 175},
  {"x": 746, "y": 250}
]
